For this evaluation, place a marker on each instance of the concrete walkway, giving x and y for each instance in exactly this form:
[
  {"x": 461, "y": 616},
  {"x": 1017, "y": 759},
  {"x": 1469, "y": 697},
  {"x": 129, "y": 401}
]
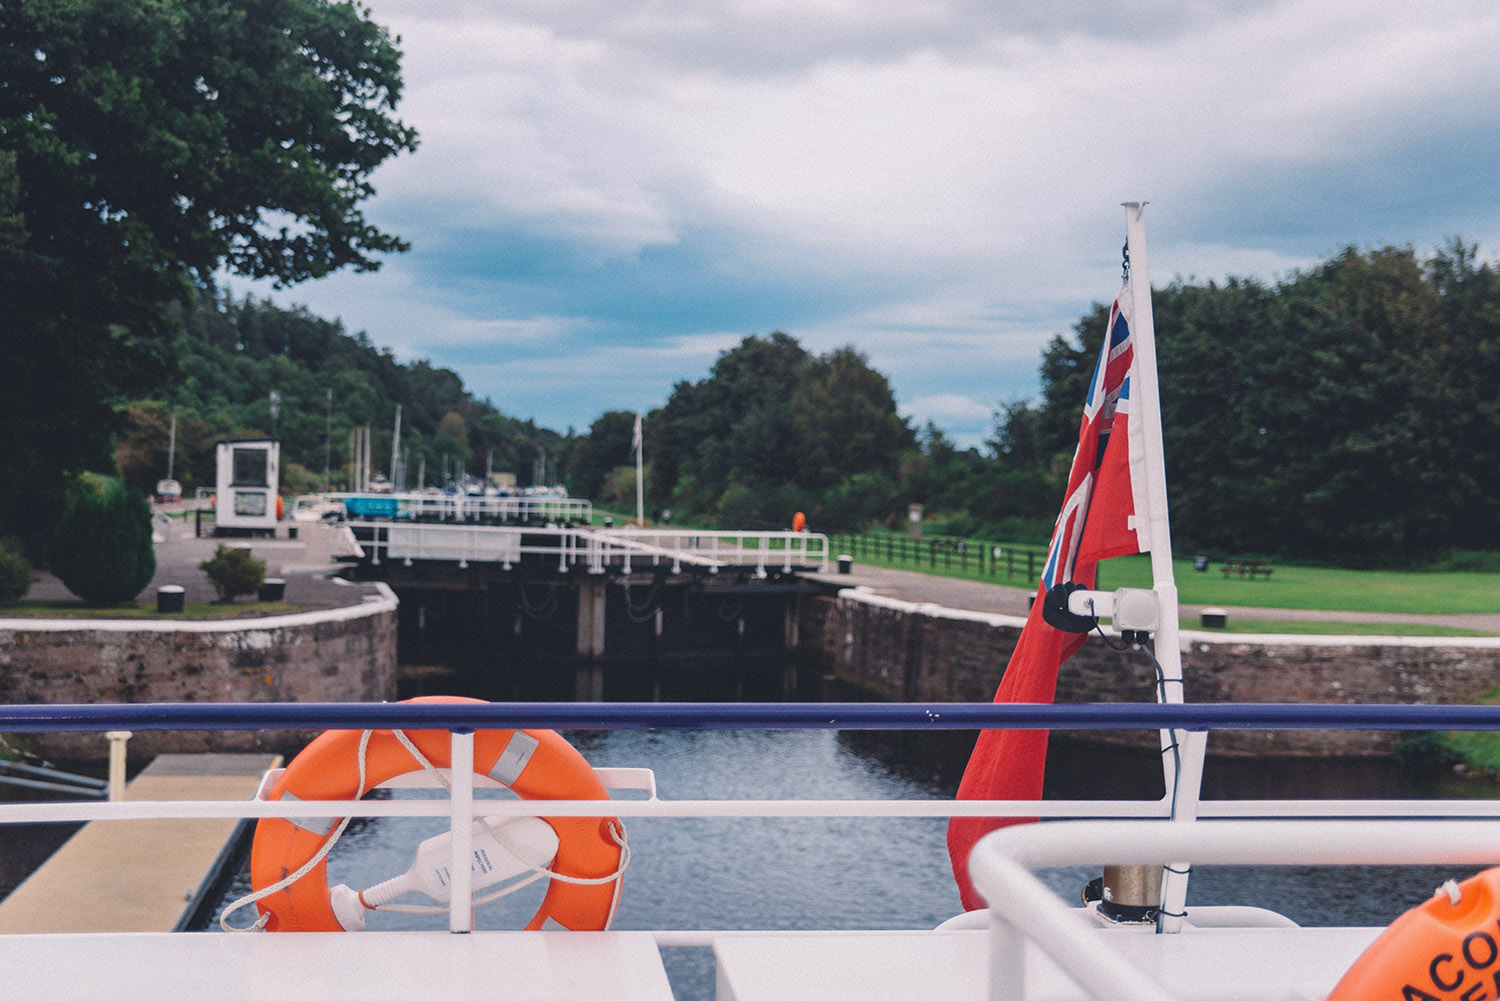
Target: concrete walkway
[
  {"x": 305, "y": 563},
  {"x": 978, "y": 596},
  {"x": 137, "y": 875}
]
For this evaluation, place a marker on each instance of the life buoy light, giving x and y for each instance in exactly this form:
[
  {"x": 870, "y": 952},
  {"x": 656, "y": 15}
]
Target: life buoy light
[
  {"x": 534, "y": 764},
  {"x": 1447, "y": 947}
]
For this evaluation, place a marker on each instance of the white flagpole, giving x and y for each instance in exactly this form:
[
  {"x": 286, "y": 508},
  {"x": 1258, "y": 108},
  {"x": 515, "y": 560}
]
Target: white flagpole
[
  {"x": 640, "y": 491},
  {"x": 1145, "y": 405}
]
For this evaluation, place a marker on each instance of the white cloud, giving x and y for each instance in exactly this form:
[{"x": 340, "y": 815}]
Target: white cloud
[
  {"x": 1009, "y": 142},
  {"x": 937, "y": 183},
  {"x": 948, "y": 408}
]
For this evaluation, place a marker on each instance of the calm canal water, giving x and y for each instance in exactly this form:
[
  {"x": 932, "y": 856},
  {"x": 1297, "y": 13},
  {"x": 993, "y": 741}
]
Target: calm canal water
[{"x": 884, "y": 873}]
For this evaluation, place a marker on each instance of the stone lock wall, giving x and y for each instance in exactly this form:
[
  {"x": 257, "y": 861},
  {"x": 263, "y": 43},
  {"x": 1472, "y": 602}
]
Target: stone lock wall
[
  {"x": 333, "y": 655},
  {"x": 909, "y": 652}
]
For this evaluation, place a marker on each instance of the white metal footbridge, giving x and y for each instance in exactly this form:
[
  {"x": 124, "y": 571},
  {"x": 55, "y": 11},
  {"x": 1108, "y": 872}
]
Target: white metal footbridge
[
  {"x": 546, "y": 530},
  {"x": 595, "y": 550}
]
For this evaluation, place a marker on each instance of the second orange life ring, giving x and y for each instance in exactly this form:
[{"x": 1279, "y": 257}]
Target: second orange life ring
[
  {"x": 535, "y": 764},
  {"x": 1446, "y": 947}
]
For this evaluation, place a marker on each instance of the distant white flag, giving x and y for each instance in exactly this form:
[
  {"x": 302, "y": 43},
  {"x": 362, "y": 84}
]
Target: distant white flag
[{"x": 635, "y": 439}]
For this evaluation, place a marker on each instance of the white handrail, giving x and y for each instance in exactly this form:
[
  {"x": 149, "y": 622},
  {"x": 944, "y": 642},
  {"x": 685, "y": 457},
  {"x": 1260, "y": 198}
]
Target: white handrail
[
  {"x": 1002, "y": 863},
  {"x": 1056, "y": 810}
]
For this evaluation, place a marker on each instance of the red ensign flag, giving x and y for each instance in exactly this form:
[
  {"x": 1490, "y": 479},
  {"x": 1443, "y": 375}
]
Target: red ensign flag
[{"x": 1098, "y": 520}]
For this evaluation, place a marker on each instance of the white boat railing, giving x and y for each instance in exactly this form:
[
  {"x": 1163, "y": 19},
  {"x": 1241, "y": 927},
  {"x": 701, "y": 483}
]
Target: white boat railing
[
  {"x": 1121, "y": 832},
  {"x": 1003, "y": 865}
]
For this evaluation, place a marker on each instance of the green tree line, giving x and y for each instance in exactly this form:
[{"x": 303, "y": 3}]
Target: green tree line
[
  {"x": 1344, "y": 413},
  {"x": 774, "y": 430},
  {"x": 1347, "y": 412},
  {"x": 232, "y": 355}
]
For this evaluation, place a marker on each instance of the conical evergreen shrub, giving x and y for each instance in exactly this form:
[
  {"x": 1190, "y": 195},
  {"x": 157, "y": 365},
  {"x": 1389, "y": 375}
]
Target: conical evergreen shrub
[
  {"x": 101, "y": 549},
  {"x": 234, "y": 572}
]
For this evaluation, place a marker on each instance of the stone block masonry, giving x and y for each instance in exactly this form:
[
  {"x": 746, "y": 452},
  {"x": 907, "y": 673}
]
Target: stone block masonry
[
  {"x": 903, "y": 651},
  {"x": 345, "y": 654}
]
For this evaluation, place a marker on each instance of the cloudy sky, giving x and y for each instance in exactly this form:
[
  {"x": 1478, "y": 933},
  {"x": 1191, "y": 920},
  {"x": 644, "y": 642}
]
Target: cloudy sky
[{"x": 610, "y": 193}]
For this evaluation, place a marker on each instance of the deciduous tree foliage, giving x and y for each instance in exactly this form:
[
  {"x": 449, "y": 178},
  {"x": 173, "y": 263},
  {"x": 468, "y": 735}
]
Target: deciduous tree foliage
[
  {"x": 774, "y": 430},
  {"x": 233, "y": 354},
  {"x": 595, "y": 455},
  {"x": 147, "y": 143}
]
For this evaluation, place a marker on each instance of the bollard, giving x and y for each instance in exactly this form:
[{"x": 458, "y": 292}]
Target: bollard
[
  {"x": 1214, "y": 618},
  {"x": 272, "y": 589},
  {"x": 846, "y": 563},
  {"x": 117, "y": 739},
  {"x": 170, "y": 599}
]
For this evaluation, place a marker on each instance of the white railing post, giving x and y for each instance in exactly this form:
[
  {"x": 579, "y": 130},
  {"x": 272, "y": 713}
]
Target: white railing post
[
  {"x": 461, "y": 904},
  {"x": 117, "y": 739}
]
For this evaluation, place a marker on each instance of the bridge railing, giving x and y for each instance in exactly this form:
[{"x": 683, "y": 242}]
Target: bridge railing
[
  {"x": 628, "y": 549},
  {"x": 765, "y": 551}
]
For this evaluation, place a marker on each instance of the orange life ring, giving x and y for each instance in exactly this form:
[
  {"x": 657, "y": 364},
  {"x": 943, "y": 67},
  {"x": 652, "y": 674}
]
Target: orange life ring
[
  {"x": 534, "y": 764},
  {"x": 1445, "y": 947},
  {"x": 799, "y": 522}
]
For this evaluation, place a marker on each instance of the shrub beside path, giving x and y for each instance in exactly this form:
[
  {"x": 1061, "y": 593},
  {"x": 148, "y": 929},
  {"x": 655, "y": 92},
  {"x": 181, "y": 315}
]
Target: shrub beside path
[{"x": 304, "y": 563}]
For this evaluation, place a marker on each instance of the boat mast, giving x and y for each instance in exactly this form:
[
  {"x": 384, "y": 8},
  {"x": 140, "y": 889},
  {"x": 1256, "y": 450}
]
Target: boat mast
[
  {"x": 640, "y": 496},
  {"x": 1182, "y": 783},
  {"x": 398, "y": 475}
]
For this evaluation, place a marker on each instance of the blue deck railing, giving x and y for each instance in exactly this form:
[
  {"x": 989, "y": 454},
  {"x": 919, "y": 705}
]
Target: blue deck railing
[{"x": 466, "y": 716}]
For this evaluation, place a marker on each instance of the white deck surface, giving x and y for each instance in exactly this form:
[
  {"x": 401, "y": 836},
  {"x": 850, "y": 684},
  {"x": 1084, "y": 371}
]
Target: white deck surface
[
  {"x": 330, "y": 966},
  {"x": 1256, "y": 964}
]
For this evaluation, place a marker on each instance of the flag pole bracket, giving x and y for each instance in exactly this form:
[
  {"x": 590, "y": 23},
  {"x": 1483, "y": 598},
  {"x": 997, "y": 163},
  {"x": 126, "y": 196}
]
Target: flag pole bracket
[{"x": 1074, "y": 608}]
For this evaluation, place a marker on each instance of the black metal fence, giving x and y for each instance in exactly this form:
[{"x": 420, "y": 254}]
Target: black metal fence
[{"x": 967, "y": 556}]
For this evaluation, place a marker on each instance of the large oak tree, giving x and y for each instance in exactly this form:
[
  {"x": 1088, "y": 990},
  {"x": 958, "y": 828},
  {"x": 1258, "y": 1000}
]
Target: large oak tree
[{"x": 145, "y": 145}]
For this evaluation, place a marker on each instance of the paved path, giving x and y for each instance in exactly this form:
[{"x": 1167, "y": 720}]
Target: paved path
[
  {"x": 304, "y": 563},
  {"x": 978, "y": 596},
  {"x": 137, "y": 875}
]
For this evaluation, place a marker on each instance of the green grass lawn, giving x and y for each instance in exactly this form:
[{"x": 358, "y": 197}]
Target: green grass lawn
[
  {"x": 1290, "y": 587},
  {"x": 1321, "y": 588},
  {"x": 1299, "y": 587}
]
